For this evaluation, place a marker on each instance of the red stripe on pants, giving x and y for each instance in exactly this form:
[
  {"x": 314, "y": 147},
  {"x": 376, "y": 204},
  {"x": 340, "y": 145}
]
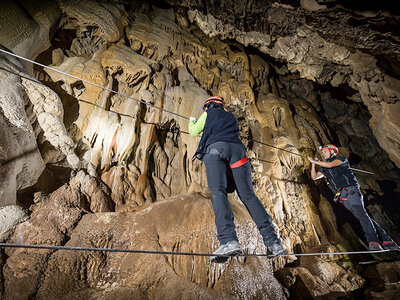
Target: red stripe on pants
[{"x": 239, "y": 163}]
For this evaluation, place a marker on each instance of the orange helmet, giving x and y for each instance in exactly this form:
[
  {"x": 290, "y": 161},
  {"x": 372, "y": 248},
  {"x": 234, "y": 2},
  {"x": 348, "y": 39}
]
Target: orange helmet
[
  {"x": 214, "y": 99},
  {"x": 330, "y": 146}
]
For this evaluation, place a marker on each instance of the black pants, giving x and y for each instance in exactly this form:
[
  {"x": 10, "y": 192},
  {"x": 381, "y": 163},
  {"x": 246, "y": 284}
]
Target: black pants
[
  {"x": 352, "y": 199},
  {"x": 218, "y": 156}
]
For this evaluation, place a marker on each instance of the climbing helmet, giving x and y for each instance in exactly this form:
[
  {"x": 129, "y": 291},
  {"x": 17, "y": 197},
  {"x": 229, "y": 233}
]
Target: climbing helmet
[
  {"x": 329, "y": 146},
  {"x": 214, "y": 100}
]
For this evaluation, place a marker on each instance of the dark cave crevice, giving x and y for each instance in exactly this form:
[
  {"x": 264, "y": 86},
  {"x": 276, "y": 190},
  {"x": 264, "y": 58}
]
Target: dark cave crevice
[{"x": 52, "y": 178}]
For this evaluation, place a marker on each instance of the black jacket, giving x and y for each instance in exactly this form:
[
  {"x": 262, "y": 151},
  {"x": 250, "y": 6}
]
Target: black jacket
[
  {"x": 221, "y": 126},
  {"x": 340, "y": 176}
]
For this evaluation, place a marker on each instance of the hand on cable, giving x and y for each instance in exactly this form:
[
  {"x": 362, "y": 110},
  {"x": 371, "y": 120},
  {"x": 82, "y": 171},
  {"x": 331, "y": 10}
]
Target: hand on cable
[{"x": 191, "y": 119}]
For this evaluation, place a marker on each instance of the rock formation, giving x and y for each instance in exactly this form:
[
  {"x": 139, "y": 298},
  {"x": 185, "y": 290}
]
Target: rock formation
[
  {"x": 112, "y": 167},
  {"x": 324, "y": 46}
]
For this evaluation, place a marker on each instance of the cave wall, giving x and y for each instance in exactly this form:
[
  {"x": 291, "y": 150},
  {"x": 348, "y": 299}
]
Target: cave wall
[{"x": 325, "y": 43}]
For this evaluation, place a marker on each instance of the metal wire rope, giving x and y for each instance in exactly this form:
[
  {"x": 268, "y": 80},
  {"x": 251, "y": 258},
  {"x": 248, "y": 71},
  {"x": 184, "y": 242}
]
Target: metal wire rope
[{"x": 73, "y": 248}]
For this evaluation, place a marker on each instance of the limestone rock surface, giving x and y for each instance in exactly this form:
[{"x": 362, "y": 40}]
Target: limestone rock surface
[{"x": 180, "y": 223}]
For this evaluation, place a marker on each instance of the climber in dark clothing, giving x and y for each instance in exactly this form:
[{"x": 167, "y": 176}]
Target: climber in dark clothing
[
  {"x": 344, "y": 185},
  {"x": 224, "y": 154}
]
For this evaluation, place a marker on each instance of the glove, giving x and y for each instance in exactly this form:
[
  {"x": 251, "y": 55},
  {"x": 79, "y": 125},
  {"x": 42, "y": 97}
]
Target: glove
[{"x": 191, "y": 119}]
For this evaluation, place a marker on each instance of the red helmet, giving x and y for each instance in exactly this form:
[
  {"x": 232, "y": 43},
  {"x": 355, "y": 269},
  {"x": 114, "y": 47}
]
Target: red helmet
[
  {"x": 214, "y": 99},
  {"x": 329, "y": 146}
]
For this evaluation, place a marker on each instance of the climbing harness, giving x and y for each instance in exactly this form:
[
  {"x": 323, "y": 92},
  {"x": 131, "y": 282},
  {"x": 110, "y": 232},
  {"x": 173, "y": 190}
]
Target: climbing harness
[
  {"x": 337, "y": 197},
  {"x": 341, "y": 199},
  {"x": 212, "y": 99}
]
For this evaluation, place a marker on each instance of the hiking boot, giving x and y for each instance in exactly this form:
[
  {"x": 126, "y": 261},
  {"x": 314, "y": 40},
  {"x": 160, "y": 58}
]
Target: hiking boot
[
  {"x": 374, "y": 246},
  {"x": 390, "y": 245},
  {"x": 222, "y": 254},
  {"x": 276, "y": 249}
]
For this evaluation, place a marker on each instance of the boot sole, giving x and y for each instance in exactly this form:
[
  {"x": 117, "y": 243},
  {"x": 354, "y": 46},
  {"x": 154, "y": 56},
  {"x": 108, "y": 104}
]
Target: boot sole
[
  {"x": 278, "y": 253},
  {"x": 224, "y": 258},
  {"x": 392, "y": 248}
]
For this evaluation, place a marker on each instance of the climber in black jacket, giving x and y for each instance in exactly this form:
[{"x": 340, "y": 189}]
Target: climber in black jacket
[
  {"x": 223, "y": 153},
  {"x": 345, "y": 186}
]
